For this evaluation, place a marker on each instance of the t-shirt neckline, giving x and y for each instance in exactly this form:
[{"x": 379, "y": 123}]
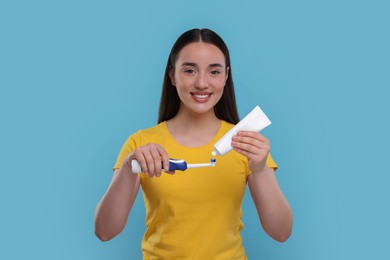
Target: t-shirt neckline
[{"x": 211, "y": 143}]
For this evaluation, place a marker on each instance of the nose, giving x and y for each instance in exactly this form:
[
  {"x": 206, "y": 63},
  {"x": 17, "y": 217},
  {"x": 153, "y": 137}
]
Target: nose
[{"x": 202, "y": 81}]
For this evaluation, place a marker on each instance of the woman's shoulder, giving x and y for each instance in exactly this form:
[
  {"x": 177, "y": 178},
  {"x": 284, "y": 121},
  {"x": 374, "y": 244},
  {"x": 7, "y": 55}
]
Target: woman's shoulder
[
  {"x": 153, "y": 129},
  {"x": 150, "y": 132},
  {"x": 227, "y": 126}
]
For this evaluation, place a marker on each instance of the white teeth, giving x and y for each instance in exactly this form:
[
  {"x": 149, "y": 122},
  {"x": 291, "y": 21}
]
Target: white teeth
[{"x": 201, "y": 96}]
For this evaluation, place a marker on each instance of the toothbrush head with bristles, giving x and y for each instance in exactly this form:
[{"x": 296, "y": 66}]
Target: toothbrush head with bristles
[{"x": 213, "y": 161}]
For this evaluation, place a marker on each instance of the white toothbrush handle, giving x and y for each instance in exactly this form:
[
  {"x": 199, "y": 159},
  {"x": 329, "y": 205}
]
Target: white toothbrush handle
[{"x": 135, "y": 167}]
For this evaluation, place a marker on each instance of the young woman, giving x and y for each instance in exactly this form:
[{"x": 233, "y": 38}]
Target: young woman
[{"x": 195, "y": 214}]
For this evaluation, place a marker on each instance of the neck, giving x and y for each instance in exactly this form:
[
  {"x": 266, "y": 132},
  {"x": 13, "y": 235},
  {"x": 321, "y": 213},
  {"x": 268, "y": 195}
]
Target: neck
[
  {"x": 195, "y": 120},
  {"x": 192, "y": 129}
]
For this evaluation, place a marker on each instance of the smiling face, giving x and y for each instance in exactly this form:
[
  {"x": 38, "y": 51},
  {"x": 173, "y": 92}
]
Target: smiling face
[{"x": 199, "y": 76}]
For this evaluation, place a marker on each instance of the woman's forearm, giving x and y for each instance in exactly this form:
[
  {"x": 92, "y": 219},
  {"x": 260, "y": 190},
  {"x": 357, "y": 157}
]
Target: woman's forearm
[
  {"x": 113, "y": 209},
  {"x": 274, "y": 211}
]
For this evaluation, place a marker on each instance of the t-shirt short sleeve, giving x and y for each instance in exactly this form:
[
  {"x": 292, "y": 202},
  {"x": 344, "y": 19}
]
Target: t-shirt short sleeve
[
  {"x": 271, "y": 163},
  {"x": 130, "y": 144}
]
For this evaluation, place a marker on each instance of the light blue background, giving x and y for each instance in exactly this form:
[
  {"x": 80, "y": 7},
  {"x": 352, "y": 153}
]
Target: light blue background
[{"x": 77, "y": 77}]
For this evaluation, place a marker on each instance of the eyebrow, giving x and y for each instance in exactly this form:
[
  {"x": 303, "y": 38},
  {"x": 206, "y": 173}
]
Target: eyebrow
[{"x": 192, "y": 64}]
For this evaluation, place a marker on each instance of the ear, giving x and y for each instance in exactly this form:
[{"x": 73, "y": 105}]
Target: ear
[{"x": 172, "y": 77}]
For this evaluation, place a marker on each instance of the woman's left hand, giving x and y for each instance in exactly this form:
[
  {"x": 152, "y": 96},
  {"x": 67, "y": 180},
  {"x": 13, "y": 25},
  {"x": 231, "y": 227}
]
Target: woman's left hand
[{"x": 254, "y": 146}]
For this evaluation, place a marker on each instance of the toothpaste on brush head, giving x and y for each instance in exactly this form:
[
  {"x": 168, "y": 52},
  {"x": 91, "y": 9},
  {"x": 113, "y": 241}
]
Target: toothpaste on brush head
[{"x": 256, "y": 120}]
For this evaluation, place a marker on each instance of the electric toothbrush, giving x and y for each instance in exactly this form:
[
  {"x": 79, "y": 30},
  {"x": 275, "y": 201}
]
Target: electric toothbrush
[{"x": 175, "y": 165}]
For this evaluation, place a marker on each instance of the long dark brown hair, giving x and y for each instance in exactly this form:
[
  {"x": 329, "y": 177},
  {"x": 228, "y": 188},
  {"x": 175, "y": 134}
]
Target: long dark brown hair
[{"x": 226, "y": 108}]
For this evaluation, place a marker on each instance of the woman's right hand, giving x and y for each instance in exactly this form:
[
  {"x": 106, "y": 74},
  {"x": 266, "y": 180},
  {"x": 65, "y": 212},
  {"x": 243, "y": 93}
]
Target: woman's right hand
[{"x": 150, "y": 157}]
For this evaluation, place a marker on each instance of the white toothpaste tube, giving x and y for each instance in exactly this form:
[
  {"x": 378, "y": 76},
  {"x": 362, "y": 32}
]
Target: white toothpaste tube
[{"x": 256, "y": 120}]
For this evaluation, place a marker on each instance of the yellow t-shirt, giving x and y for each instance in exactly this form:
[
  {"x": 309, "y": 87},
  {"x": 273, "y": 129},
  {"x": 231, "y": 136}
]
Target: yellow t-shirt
[{"x": 194, "y": 214}]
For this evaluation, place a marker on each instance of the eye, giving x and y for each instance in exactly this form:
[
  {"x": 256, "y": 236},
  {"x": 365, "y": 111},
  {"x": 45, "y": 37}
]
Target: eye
[
  {"x": 189, "y": 71},
  {"x": 215, "y": 72}
]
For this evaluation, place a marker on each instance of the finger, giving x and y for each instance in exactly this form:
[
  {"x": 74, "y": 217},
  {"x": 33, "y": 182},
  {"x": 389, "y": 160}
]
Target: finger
[
  {"x": 250, "y": 145},
  {"x": 253, "y": 134},
  {"x": 247, "y": 140},
  {"x": 156, "y": 160},
  {"x": 247, "y": 148},
  {"x": 139, "y": 156},
  {"x": 252, "y": 157},
  {"x": 151, "y": 158},
  {"x": 149, "y": 169},
  {"x": 164, "y": 157}
]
